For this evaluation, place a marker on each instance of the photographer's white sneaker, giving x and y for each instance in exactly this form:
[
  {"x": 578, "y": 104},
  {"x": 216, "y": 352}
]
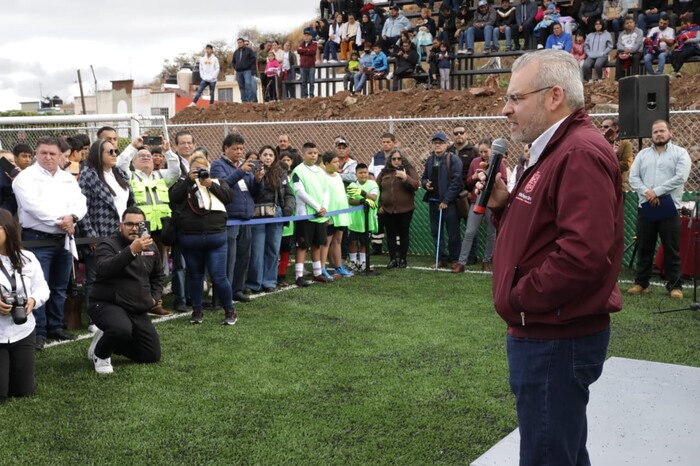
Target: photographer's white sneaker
[
  {"x": 95, "y": 338},
  {"x": 103, "y": 366}
]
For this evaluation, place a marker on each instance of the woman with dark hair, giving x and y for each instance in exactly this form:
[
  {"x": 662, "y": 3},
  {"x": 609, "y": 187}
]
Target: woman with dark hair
[
  {"x": 275, "y": 199},
  {"x": 368, "y": 30},
  {"x": 201, "y": 202},
  {"x": 398, "y": 182},
  {"x": 287, "y": 162},
  {"x": 474, "y": 220},
  {"x": 23, "y": 289},
  {"x": 108, "y": 193}
]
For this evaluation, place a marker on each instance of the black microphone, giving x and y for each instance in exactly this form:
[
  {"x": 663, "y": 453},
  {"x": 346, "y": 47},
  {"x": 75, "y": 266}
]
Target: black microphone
[{"x": 498, "y": 149}]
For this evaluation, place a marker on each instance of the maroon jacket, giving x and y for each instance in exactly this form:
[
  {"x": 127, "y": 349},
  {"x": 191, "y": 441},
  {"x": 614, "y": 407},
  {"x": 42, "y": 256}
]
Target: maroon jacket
[
  {"x": 560, "y": 239},
  {"x": 307, "y": 54}
]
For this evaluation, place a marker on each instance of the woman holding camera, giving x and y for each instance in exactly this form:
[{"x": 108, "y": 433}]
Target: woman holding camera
[
  {"x": 200, "y": 201},
  {"x": 23, "y": 288},
  {"x": 274, "y": 199},
  {"x": 108, "y": 193},
  {"x": 398, "y": 182}
]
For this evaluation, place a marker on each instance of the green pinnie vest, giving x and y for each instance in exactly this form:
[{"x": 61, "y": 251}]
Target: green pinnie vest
[
  {"x": 151, "y": 196},
  {"x": 357, "y": 223}
]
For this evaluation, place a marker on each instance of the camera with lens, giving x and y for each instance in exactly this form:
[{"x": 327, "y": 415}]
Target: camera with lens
[
  {"x": 202, "y": 173},
  {"x": 18, "y": 312}
]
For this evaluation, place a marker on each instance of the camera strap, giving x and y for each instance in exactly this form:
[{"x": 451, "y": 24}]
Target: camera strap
[{"x": 10, "y": 277}]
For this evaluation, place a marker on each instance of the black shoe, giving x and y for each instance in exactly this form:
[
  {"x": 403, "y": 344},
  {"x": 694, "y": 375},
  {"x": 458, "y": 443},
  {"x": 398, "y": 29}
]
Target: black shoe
[
  {"x": 180, "y": 307},
  {"x": 267, "y": 289},
  {"x": 402, "y": 264},
  {"x": 60, "y": 334},
  {"x": 40, "y": 343},
  {"x": 197, "y": 316},
  {"x": 247, "y": 291},
  {"x": 301, "y": 282},
  {"x": 240, "y": 297},
  {"x": 392, "y": 264},
  {"x": 472, "y": 261}
]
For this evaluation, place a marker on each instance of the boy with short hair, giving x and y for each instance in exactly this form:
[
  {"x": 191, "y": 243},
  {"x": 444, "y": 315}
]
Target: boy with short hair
[
  {"x": 311, "y": 194},
  {"x": 363, "y": 191},
  {"x": 338, "y": 224}
]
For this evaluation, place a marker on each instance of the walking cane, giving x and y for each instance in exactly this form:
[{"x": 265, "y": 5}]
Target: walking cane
[{"x": 439, "y": 234}]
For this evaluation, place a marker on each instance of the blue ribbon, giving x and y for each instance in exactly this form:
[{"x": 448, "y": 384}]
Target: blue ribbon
[{"x": 260, "y": 221}]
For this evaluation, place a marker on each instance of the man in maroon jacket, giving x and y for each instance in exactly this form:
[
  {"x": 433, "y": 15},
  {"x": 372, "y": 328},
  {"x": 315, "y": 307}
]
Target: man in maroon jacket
[
  {"x": 307, "y": 64},
  {"x": 557, "y": 257}
]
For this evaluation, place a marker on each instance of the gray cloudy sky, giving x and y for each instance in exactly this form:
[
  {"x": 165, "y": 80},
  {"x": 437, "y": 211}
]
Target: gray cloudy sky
[{"x": 43, "y": 43}]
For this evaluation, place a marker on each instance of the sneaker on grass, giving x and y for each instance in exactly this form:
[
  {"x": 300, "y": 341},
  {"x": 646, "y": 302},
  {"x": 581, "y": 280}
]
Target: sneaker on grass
[
  {"x": 230, "y": 317},
  {"x": 103, "y": 366},
  {"x": 197, "y": 316},
  {"x": 343, "y": 272}
]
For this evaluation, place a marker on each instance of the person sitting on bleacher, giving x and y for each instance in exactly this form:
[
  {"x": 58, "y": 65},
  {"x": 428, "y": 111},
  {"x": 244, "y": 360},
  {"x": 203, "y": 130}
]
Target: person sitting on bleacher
[
  {"x": 393, "y": 26},
  {"x": 658, "y": 44},
  {"x": 447, "y": 25},
  {"x": 598, "y": 45},
  {"x": 629, "y": 49},
  {"x": 687, "y": 44},
  {"x": 505, "y": 23},
  {"x": 547, "y": 15},
  {"x": 590, "y": 11},
  {"x": 558, "y": 39},
  {"x": 614, "y": 13},
  {"x": 524, "y": 24},
  {"x": 482, "y": 27},
  {"x": 405, "y": 66},
  {"x": 427, "y": 21},
  {"x": 365, "y": 71},
  {"x": 650, "y": 13}
]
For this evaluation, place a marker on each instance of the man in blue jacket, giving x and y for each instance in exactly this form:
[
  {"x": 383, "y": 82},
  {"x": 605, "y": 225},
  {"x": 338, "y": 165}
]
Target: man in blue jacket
[
  {"x": 442, "y": 180},
  {"x": 239, "y": 176}
]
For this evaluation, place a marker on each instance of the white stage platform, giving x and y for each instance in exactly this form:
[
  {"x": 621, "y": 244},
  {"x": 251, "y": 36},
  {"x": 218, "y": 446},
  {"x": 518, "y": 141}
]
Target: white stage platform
[{"x": 641, "y": 413}]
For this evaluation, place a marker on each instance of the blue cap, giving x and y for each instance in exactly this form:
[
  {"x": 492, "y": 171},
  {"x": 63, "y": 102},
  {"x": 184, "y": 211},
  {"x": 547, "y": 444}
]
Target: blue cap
[{"x": 440, "y": 136}]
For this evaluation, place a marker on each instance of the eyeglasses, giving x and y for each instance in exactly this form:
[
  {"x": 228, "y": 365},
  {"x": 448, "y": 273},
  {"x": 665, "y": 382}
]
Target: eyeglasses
[
  {"x": 112, "y": 152},
  {"x": 458, "y": 133},
  {"x": 516, "y": 98},
  {"x": 396, "y": 158},
  {"x": 605, "y": 126},
  {"x": 131, "y": 225}
]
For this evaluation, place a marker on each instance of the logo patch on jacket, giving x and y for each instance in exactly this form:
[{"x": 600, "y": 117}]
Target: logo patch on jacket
[{"x": 524, "y": 195}]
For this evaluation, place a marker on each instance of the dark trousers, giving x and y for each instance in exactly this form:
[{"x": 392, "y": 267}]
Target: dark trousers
[
  {"x": 126, "y": 334},
  {"x": 398, "y": 226},
  {"x": 678, "y": 58},
  {"x": 527, "y": 34},
  {"x": 550, "y": 380},
  {"x": 633, "y": 70},
  {"x": 669, "y": 230},
  {"x": 238, "y": 250},
  {"x": 450, "y": 222},
  {"x": 17, "y": 367}
]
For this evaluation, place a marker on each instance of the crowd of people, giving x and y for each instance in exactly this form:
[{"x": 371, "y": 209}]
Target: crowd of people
[{"x": 366, "y": 40}]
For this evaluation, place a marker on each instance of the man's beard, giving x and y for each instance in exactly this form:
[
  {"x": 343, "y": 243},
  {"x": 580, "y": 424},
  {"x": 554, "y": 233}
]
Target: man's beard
[{"x": 661, "y": 143}]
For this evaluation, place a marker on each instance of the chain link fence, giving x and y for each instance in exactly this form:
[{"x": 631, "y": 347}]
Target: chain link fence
[{"x": 413, "y": 136}]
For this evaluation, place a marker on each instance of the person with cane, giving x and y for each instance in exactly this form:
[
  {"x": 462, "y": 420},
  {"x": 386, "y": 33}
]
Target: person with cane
[{"x": 442, "y": 180}]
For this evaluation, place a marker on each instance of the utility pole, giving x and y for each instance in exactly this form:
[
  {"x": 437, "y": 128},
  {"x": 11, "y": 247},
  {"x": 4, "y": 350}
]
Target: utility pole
[
  {"x": 97, "y": 106},
  {"x": 82, "y": 95}
]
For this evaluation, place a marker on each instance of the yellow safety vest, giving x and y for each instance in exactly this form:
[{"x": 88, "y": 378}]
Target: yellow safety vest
[{"x": 151, "y": 196}]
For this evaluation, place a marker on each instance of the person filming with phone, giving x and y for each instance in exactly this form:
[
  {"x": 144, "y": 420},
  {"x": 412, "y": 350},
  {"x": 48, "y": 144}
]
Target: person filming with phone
[{"x": 128, "y": 282}]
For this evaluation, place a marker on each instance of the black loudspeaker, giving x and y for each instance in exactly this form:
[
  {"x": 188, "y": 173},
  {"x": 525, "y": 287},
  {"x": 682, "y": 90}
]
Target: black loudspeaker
[{"x": 642, "y": 101}]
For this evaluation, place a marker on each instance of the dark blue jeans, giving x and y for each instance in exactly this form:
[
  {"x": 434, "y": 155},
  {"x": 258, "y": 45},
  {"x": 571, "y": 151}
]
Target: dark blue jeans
[
  {"x": 238, "y": 237},
  {"x": 206, "y": 251},
  {"x": 56, "y": 263},
  {"x": 550, "y": 380},
  {"x": 203, "y": 85},
  {"x": 450, "y": 222}
]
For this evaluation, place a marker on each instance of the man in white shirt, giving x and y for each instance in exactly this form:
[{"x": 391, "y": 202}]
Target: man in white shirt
[
  {"x": 50, "y": 203},
  {"x": 659, "y": 43},
  {"x": 209, "y": 72}
]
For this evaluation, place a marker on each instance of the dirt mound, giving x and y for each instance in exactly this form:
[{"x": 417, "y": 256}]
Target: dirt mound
[{"x": 413, "y": 103}]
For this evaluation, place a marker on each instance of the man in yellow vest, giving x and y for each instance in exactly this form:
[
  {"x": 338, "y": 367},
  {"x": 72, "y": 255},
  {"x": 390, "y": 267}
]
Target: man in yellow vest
[{"x": 150, "y": 189}]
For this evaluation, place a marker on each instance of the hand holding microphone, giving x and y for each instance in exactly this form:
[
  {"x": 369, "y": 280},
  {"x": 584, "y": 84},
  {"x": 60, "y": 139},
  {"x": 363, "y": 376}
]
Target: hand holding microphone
[{"x": 489, "y": 183}]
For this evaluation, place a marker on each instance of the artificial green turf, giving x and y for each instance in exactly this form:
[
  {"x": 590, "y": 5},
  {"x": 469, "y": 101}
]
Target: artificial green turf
[{"x": 407, "y": 367}]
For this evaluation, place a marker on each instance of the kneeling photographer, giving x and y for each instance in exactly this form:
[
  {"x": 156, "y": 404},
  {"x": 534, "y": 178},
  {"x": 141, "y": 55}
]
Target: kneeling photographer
[
  {"x": 23, "y": 288},
  {"x": 200, "y": 201}
]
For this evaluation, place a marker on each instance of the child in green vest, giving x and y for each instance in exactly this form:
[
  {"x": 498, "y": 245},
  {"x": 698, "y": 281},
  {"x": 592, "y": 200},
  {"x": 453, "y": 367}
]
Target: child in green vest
[
  {"x": 311, "y": 194},
  {"x": 338, "y": 224},
  {"x": 363, "y": 191}
]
